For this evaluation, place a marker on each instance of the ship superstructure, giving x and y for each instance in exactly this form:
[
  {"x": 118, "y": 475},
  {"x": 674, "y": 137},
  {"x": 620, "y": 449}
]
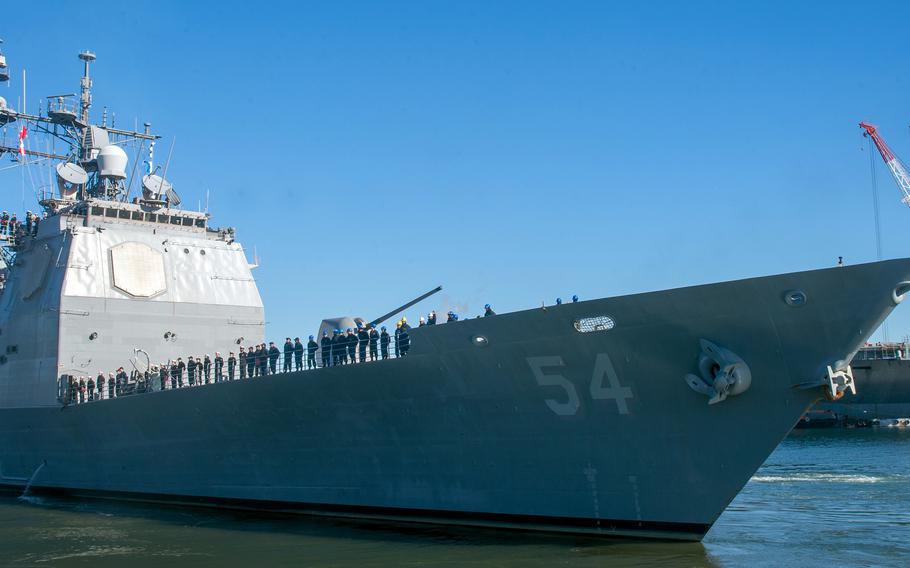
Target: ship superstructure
[
  {"x": 108, "y": 277},
  {"x": 640, "y": 415}
]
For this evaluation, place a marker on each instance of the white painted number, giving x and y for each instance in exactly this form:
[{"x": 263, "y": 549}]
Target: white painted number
[
  {"x": 603, "y": 369},
  {"x": 572, "y": 403}
]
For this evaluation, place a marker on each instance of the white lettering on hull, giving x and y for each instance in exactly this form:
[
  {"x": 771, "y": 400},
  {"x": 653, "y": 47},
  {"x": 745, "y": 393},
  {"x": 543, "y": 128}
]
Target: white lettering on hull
[{"x": 570, "y": 404}]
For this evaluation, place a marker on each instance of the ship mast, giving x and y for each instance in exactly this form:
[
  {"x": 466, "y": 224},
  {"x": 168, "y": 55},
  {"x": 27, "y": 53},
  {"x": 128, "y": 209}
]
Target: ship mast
[
  {"x": 95, "y": 151},
  {"x": 85, "y": 98}
]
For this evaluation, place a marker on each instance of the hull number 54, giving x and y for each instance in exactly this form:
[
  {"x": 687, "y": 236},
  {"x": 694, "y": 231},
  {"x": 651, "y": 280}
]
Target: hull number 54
[{"x": 605, "y": 384}]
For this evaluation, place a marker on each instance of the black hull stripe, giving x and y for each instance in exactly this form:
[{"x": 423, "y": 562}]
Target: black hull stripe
[{"x": 543, "y": 523}]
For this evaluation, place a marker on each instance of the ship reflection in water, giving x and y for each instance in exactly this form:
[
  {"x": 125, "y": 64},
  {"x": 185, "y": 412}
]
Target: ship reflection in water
[{"x": 856, "y": 480}]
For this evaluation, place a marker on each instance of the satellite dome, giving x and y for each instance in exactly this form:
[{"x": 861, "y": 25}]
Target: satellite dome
[{"x": 112, "y": 162}]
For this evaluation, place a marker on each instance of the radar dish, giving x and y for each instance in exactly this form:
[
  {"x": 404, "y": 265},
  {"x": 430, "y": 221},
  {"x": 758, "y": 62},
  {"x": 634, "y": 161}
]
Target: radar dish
[
  {"x": 172, "y": 197},
  {"x": 154, "y": 187},
  {"x": 70, "y": 178},
  {"x": 71, "y": 173}
]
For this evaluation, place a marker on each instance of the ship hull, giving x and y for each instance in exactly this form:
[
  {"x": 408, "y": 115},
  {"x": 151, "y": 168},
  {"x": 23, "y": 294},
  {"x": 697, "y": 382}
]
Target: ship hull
[{"x": 536, "y": 427}]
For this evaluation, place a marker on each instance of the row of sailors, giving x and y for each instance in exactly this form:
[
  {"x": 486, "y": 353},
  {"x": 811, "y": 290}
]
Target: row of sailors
[
  {"x": 10, "y": 225},
  {"x": 343, "y": 347},
  {"x": 256, "y": 361}
]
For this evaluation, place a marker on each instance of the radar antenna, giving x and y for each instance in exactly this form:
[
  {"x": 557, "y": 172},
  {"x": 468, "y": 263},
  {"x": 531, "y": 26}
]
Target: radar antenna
[
  {"x": 4, "y": 70},
  {"x": 85, "y": 98}
]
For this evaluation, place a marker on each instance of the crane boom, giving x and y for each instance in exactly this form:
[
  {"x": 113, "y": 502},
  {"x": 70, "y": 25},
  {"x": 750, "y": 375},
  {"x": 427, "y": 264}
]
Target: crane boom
[{"x": 898, "y": 169}]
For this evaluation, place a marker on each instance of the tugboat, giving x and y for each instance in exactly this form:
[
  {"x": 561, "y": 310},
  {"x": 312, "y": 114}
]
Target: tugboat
[{"x": 559, "y": 418}]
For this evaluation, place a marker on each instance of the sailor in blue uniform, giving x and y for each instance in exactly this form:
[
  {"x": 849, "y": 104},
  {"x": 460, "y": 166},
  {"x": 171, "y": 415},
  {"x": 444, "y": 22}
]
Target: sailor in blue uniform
[
  {"x": 232, "y": 365},
  {"x": 363, "y": 338},
  {"x": 274, "y": 354},
  {"x": 326, "y": 345},
  {"x": 288, "y": 354},
  {"x": 351, "y": 341},
  {"x": 298, "y": 354},
  {"x": 374, "y": 339},
  {"x": 311, "y": 348},
  {"x": 191, "y": 370},
  {"x": 384, "y": 341}
]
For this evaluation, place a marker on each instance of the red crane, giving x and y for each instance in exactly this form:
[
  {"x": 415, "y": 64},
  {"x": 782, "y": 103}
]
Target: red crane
[{"x": 895, "y": 165}]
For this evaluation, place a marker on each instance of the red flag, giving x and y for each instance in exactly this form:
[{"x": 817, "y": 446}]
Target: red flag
[{"x": 22, "y": 134}]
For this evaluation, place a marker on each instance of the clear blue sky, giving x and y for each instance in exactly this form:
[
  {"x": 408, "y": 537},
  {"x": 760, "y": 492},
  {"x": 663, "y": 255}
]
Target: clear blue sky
[{"x": 511, "y": 151}]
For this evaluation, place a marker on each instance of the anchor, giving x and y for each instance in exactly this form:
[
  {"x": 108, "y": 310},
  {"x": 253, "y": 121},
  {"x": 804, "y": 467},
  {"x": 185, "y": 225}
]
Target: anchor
[{"x": 723, "y": 373}]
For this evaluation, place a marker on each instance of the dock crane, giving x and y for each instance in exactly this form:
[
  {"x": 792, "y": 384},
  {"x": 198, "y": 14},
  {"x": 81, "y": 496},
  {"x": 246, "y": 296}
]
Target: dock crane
[
  {"x": 901, "y": 178},
  {"x": 895, "y": 165}
]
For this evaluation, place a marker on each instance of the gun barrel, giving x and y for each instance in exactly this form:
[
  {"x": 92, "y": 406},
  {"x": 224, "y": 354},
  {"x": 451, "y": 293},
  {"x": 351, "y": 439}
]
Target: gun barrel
[{"x": 402, "y": 308}]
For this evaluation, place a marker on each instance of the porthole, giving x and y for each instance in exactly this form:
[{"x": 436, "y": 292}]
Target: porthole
[
  {"x": 202, "y": 252},
  {"x": 594, "y": 323},
  {"x": 480, "y": 341},
  {"x": 900, "y": 291},
  {"x": 186, "y": 251},
  {"x": 93, "y": 336},
  {"x": 795, "y": 298}
]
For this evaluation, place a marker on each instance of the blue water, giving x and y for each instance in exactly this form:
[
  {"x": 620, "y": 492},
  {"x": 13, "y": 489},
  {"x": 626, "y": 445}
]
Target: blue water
[{"x": 824, "y": 498}]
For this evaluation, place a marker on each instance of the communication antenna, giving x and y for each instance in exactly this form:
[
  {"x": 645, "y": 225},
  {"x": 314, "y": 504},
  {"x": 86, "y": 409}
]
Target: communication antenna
[
  {"x": 85, "y": 98},
  {"x": 4, "y": 70},
  {"x": 172, "y": 196}
]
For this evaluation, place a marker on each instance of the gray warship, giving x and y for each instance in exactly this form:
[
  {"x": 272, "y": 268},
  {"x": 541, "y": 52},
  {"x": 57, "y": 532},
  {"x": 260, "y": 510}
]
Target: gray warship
[
  {"x": 634, "y": 416},
  {"x": 882, "y": 375}
]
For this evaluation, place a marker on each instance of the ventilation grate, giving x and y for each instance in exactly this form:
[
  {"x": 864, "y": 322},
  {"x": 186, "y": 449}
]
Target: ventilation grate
[{"x": 595, "y": 323}]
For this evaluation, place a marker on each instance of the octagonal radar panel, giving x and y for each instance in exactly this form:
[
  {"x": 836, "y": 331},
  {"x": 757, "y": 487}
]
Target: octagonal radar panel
[
  {"x": 138, "y": 270},
  {"x": 70, "y": 178}
]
